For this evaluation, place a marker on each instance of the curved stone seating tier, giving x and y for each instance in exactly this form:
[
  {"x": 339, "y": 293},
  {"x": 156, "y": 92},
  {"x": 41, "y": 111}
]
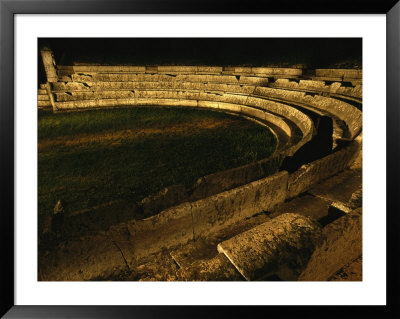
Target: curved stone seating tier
[
  {"x": 217, "y": 70},
  {"x": 344, "y": 74},
  {"x": 134, "y": 77},
  {"x": 352, "y": 76},
  {"x": 237, "y": 90},
  {"x": 293, "y": 141},
  {"x": 339, "y": 127},
  {"x": 132, "y": 85},
  {"x": 222, "y": 199},
  {"x": 217, "y": 92},
  {"x": 241, "y": 94},
  {"x": 334, "y": 88},
  {"x": 259, "y": 108},
  {"x": 220, "y": 92},
  {"x": 347, "y": 113}
]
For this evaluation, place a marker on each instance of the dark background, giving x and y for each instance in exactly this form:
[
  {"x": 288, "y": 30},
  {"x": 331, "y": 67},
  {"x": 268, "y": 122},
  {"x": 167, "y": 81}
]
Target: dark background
[{"x": 283, "y": 52}]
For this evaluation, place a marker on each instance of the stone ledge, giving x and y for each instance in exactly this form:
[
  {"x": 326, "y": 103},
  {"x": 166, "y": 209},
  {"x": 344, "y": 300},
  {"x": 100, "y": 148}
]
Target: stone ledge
[
  {"x": 281, "y": 246},
  {"x": 341, "y": 244}
]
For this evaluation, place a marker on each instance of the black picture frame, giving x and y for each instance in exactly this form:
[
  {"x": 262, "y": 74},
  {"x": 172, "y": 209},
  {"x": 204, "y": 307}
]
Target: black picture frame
[{"x": 9, "y": 8}]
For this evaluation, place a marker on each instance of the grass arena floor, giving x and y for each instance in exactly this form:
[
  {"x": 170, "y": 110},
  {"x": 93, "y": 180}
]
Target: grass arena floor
[{"x": 94, "y": 157}]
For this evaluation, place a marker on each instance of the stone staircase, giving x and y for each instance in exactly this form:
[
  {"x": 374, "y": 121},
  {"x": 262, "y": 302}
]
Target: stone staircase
[
  {"x": 315, "y": 236},
  {"x": 43, "y": 98}
]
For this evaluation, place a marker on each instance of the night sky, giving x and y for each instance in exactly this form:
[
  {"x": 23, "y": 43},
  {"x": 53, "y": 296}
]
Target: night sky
[{"x": 310, "y": 52}]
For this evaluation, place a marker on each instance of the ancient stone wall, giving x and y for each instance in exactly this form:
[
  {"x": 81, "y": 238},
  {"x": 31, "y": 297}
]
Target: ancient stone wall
[{"x": 278, "y": 98}]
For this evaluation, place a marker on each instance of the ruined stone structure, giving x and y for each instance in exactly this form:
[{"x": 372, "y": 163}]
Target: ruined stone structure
[{"x": 247, "y": 215}]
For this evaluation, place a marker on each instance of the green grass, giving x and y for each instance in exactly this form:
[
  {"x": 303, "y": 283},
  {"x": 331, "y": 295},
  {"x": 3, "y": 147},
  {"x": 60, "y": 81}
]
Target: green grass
[{"x": 131, "y": 166}]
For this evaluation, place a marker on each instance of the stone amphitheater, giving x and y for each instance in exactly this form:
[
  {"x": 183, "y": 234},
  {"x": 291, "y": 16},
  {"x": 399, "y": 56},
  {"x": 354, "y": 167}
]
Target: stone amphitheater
[{"x": 232, "y": 225}]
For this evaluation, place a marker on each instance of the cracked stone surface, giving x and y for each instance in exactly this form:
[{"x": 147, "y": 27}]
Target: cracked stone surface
[
  {"x": 306, "y": 205},
  {"x": 341, "y": 243},
  {"x": 188, "y": 254},
  {"x": 286, "y": 241},
  {"x": 86, "y": 258},
  {"x": 218, "y": 268},
  {"x": 161, "y": 267},
  {"x": 350, "y": 272},
  {"x": 339, "y": 188}
]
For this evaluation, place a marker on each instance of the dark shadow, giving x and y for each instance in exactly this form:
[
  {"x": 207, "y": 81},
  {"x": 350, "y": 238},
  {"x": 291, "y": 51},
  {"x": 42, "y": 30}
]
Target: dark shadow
[{"x": 318, "y": 147}]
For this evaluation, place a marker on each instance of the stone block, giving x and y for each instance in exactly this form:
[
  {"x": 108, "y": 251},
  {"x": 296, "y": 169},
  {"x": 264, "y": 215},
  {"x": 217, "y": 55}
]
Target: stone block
[
  {"x": 49, "y": 64},
  {"x": 277, "y": 71},
  {"x": 256, "y": 113},
  {"x": 43, "y": 97},
  {"x": 168, "y": 197},
  {"x": 177, "y": 69},
  {"x": 307, "y": 205},
  {"x": 43, "y": 103},
  {"x": 340, "y": 73},
  {"x": 208, "y": 104},
  {"x": 341, "y": 243},
  {"x": 339, "y": 188},
  {"x": 87, "y": 258},
  {"x": 187, "y": 255},
  {"x": 160, "y": 267},
  {"x": 218, "y": 268},
  {"x": 281, "y": 246},
  {"x": 216, "y": 212},
  {"x": 138, "y": 238},
  {"x": 228, "y": 107},
  {"x": 312, "y": 173},
  {"x": 221, "y": 181},
  {"x": 209, "y": 69},
  {"x": 254, "y": 80}
]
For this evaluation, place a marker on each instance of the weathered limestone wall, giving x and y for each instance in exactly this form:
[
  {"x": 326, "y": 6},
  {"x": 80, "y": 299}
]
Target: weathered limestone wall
[
  {"x": 80, "y": 96},
  {"x": 49, "y": 64},
  {"x": 186, "y": 222},
  {"x": 312, "y": 173},
  {"x": 90, "y": 86},
  {"x": 282, "y": 245},
  {"x": 134, "y": 77},
  {"x": 336, "y": 108},
  {"x": 201, "y": 218},
  {"x": 344, "y": 74},
  {"x": 318, "y": 86},
  {"x": 341, "y": 243},
  {"x": 259, "y": 71}
]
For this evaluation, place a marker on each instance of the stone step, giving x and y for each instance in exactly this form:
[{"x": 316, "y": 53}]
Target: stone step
[
  {"x": 194, "y": 252},
  {"x": 305, "y": 205},
  {"x": 44, "y": 103},
  {"x": 42, "y": 91},
  {"x": 328, "y": 200},
  {"x": 341, "y": 244},
  {"x": 128, "y": 77},
  {"x": 341, "y": 188},
  {"x": 218, "y": 268},
  {"x": 43, "y": 97},
  {"x": 281, "y": 246},
  {"x": 151, "y": 85},
  {"x": 352, "y": 271},
  {"x": 197, "y": 260}
]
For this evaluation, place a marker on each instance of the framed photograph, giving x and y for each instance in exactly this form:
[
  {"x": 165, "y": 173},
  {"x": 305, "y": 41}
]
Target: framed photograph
[{"x": 179, "y": 159}]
